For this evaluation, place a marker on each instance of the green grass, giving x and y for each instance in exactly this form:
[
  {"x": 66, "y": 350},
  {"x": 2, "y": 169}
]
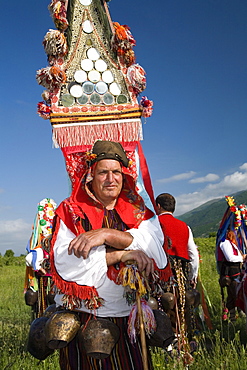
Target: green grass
[{"x": 222, "y": 348}]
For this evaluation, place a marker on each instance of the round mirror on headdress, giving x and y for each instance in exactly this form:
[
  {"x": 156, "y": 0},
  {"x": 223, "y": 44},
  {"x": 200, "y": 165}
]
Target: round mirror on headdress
[
  {"x": 107, "y": 76},
  {"x": 122, "y": 99},
  {"x": 101, "y": 87},
  {"x": 115, "y": 89},
  {"x": 67, "y": 100},
  {"x": 94, "y": 76},
  {"x": 88, "y": 87},
  {"x": 108, "y": 99},
  {"x": 85, "y": 2},
  {"x": 93, "y": 54},
  {"x": 76, "y": 90},
  {"x": 80, "y": 76},
  {"x": 82, "y": 99},
  {"x": 87, "y": 64},
  {"x": 100, "y": 65},
  {"x": 95, "y": 99},
  {"x": 87, "y": 26}
]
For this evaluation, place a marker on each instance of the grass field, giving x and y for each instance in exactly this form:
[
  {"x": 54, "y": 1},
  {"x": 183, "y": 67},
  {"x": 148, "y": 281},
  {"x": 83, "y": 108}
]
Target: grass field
[{"x": 222, "y": 348}]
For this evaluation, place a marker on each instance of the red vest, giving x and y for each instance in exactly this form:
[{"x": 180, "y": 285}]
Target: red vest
[{"x": 177, "y": 233}]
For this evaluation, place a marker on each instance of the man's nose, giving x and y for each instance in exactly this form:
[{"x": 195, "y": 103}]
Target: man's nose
[{"x": 110, "y": 176}]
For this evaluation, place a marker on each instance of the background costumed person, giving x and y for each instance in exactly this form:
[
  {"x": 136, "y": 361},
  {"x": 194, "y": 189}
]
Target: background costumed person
[
  {"x": 231, "y": 257},
  {"x": 184, "y": 262},
  {"x": 102, "y": 223},
  {"x": 232, "y": 260}
]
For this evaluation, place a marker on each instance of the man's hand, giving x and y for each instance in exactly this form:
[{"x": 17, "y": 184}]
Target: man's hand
[
  {"x": 83, "y": 243},
  {"x": 143, "y": 261}
]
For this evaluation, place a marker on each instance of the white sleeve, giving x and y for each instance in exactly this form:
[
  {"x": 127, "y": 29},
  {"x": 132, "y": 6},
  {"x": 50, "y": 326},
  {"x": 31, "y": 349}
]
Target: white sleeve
[
  {"x": 226, "y": 248},
  {"x": 193, "y": 256},
  {"x": 149, "y": 238},
  {"x": 35, "y": 258},
  {"x": 90, "y": 271}
]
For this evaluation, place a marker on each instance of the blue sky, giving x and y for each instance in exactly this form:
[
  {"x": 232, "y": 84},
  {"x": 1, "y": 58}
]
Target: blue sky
[{"x": 194, "y": 53}]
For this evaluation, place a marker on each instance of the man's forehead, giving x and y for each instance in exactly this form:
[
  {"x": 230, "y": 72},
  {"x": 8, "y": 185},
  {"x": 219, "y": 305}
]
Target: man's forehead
[{"x": 108, "y": 164}]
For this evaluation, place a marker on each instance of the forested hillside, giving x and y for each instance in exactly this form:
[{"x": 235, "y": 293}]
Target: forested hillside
[{"x": 205, "y": 220}]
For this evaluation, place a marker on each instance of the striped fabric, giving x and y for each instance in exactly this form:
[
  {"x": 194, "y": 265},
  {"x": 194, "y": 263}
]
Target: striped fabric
[{"x": 124, "y": 356}]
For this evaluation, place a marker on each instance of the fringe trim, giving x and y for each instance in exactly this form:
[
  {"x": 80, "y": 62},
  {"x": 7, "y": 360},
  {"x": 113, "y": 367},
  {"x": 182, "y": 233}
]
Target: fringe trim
[{"x": 87, "y": 134}]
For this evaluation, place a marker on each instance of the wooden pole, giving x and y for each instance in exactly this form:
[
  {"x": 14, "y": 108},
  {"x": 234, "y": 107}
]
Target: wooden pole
[
  {"x": 142, "y": 333},
  {"x": 140, "y": 317}
]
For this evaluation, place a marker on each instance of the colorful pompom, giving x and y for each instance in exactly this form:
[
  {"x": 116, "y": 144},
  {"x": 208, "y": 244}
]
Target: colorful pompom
[
  {"x": 136, "y": 78},
  {"x": 43, "y": 110},
  {"x": 51, "y": 77},
  {"x": 146, "y": 106},
  {"x": 123, "y": 43},
  {"x": 55, "y": 43},
  {"x": 59, "y": 13}
]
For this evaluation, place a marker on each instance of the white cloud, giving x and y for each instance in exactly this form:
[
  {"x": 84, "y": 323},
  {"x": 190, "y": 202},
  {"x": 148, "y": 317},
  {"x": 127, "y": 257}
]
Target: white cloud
[
  {"x": 179, "y": 177},
  {"x": 243, "y": 167},
  {"x": 230, "y": 184},
  {"x": 210, "y": 177},
  {"x": 14, "y": 234}
]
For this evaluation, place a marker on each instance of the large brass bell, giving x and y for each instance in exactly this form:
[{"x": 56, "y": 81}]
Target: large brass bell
[
  {"x": 168, "y": 301},
  {"x": 98, "y": 337},
  {"x": 31, "y": 297},
  {"x": 152, "y": 302},
  {"x": 36, "y": 345},
  {"x": 50, "y": 310},
  {"x": 224, "y": 281},
  {"x": 61, "y": 328}
]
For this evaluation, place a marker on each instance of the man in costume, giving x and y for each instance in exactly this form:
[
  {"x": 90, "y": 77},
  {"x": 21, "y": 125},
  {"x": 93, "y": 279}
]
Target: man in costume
[
  {"x": 102, "y": 224},
  {"x": 184, "y": 262},
  {"x": 231, "y": 259},
  {"x": 180, "y": 243}
]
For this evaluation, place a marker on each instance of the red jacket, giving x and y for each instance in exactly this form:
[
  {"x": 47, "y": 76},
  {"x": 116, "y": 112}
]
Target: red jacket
[{"x": 177, "y": 233}]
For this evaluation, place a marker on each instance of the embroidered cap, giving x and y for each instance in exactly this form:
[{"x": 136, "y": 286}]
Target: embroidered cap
[{"x": 109, "y": 150}]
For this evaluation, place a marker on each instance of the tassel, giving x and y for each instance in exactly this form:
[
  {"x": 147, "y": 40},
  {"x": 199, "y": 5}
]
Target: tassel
[{"x": 148, "y": 321}]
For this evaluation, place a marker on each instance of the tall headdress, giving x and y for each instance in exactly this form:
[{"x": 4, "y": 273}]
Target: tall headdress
[{"x": 92, "y": 85}]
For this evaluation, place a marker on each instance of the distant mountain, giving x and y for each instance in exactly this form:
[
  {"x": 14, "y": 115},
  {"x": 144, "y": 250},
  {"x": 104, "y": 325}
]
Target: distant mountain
[{"x": 206, "y": 219}]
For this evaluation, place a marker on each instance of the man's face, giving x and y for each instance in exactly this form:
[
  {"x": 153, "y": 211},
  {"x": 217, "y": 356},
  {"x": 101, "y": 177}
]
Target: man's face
[{"x": 107, "y": 181}]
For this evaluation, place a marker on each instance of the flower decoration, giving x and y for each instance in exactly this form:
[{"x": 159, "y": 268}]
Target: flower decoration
[
  {"x": 235, "y": 210},
  {"x": 243, "y": 210},
  {"x": 225, "y": 314}
]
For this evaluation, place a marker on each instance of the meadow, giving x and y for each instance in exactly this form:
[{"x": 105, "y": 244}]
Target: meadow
[{"x": 221, "y": 348}]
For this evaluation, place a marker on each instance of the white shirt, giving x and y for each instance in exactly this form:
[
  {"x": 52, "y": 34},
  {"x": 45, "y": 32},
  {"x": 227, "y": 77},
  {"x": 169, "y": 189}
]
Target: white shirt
[
  {"x": 227, "y": 250},
  {"x": 92, "y": 271}
]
